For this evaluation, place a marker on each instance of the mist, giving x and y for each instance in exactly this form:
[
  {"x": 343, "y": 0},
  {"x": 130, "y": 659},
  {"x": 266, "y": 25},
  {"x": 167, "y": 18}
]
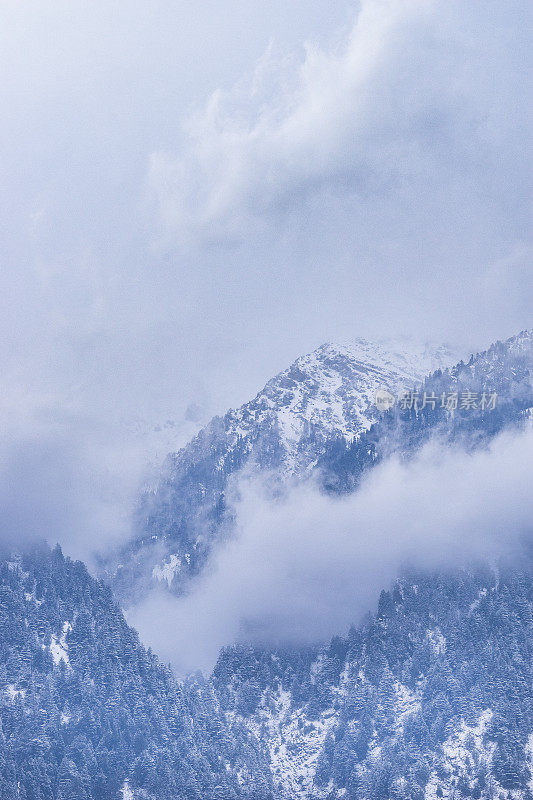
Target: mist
[
  {"x": 179, "y": 182},
  {"x": 74, "y": 489},
  {"x": 305, "y": 567},
  {"x": 194, "y": 197}
]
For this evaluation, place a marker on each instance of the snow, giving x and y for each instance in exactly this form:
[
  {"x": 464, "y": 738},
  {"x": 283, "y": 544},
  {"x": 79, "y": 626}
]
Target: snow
[
  {"x": 475, "y": 604},
  {"x": 407, "y": 703},
  {"x": 343, "y": 679},
  {"x": 437, "y": 641},
  {"x": 294, "y": 741},
  {"x": 316, "y": 667},
  {"x": 59, "y": 646},
  {"x": 529, "y": 753},
  {"x": 31, "y": 598},
  {"x": 168, "y": 570},
  {"x": 458, "y": 758},
  {"x": 15, "y": 565},
  {"x": 332, "y": 390},
  {"x": 528, "y": 416},
  {"x": 13, "y": 692},
  {"x": 126, "y": 792},
  {"x": 454, "y": 749},
  {"x": 64, "y": 719}
]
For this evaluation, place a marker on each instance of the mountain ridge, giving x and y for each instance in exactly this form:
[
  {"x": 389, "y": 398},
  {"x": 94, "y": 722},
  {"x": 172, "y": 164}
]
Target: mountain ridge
[
  {"x": 430, "y": 698},
  {"x": 285, "y": 428},
  {"x": 317, "y": 415}
]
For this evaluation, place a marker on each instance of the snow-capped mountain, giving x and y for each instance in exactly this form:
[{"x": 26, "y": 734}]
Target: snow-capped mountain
[
  {"x": 459, "y": 411},
  {"x": 319, "y": 416},
  {"x": 429, "y": 698},
  {"x": 330, "y": 391},
  {"x": 326, "y": 394}
]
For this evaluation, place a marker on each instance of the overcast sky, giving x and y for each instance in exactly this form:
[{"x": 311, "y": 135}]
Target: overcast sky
[{"x": 195, "y": 194}]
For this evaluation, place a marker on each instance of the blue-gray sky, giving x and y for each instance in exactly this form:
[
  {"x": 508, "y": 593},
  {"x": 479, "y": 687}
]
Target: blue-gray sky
[{"x": 195, "y": 194}]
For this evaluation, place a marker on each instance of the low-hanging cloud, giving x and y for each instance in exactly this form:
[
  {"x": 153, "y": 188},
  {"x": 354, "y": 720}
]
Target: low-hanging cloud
[
  {"x": 71, "y": 481},
  {"x": 307, "y": 566}
]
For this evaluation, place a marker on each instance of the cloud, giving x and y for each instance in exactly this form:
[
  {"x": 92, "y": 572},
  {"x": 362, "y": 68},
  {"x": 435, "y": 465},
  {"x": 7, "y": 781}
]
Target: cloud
[
  {"x": 394, "y": 158},
  {"x": 307, "y": 566},
  {"x": 71, "y": 481},
  {"x": 424, "y": 97},
  {"x": 373, "y": 183}
]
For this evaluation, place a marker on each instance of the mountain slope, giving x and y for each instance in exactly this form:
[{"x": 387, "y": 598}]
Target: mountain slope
[
  {"x": 431, "y": 698},
  {"x": 460, "y": 412},
  {"x": 285, "y": 428},
  {"x": 317, "y": 417},
  {"x": 331, "y": 390},
  {"x": 86, "y": 712}
]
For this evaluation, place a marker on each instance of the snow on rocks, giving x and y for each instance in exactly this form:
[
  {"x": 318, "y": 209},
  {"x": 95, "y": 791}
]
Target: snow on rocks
[
  {"x": 59, "y": 646},
  {"x": 167, "y": 570},
  {"x": 458, "y": 753},
  {"x": 437, "y": 641},
  {"x": 126, "y": 791},
  {"x": 407, "y": 703},
  {"x": 294, "y": 742},
  {"x": 12, "y": 692},
  {"x": 332, "y": 391}
]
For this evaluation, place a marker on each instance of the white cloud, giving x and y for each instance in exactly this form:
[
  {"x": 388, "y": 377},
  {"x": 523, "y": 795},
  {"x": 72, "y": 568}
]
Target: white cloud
[
  {"x": 68, "y": 481},
  {"x": 424, "y": 97},
  {"x": 305, "y": 567},
  {"x": 373, "y": 186}
]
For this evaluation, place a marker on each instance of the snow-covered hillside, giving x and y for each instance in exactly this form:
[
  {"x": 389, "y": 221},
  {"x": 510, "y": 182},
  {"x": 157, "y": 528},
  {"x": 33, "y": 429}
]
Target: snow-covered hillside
[
  {"x": 317, "y": 416},
  {"x": 331, "y": 391},
  {"x": 428, "y": 698},
  {"x": 412, "y": 705},
  {"x": 285, "y": 428}
]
